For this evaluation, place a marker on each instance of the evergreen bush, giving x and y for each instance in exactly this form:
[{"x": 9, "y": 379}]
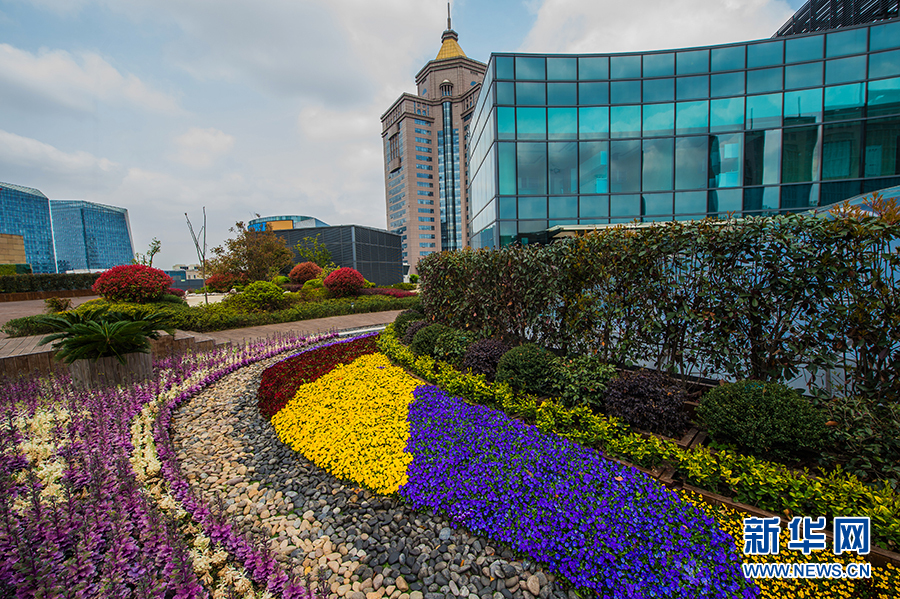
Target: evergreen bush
[
  {"x": 404, "y": 318},
  {"x": 423, "y": 341},
  {"x": 344, "y": 282},
  {"x": 451, "y": 346},
  {"x": 412, "y": 328},
  {"x": 530, "y": 368},
  {"x": 305, "y": 271},
  {"x": 134, "y": 283}
]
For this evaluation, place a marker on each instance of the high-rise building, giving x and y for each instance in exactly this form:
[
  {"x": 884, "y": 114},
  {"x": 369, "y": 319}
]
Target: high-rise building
[
  {"x": 25, "y": 211},
  {"x": 90, "y": 236},
  {"x": 425, "y": 140},
  {"x": 807, "y": 118}
]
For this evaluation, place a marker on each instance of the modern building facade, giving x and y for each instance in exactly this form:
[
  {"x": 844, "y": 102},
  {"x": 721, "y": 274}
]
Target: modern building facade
[
  {"x": 805, "y": 119},
  {"x": 425, "y": 140},
  {"x": 375, "y": 253},
  {"x": 278, "y": 223},
  {"x": 90, "y": 236},
  {"x": 25, "y": 211}
]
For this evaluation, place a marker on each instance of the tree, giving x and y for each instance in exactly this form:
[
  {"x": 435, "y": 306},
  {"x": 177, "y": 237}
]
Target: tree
[
  {"x": 260, "y": 255},
  {"x": 312, "y": 250},
  {"x": 147, "y": 259}
]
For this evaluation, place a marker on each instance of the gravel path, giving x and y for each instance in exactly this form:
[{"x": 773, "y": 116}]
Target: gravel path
[{"x": 366, "y": 545}]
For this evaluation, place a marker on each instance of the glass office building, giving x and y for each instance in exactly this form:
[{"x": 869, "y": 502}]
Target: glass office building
[
  {"x": 26, "y": 211},
  {"x": 90, "y": 236},
  {"x": 784, "y": 124}
]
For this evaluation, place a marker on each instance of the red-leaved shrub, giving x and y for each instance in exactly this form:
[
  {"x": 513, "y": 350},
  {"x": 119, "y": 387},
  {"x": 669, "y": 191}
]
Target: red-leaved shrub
[
  {"x": 176, "y": 291},
  {"x": 387, "y": 291},
  {"x": 303, "y": 272},
  {"x": 134, "y": 283},
  {"x": 225, "y": 282},
  {"x": 344, "y": 282}
]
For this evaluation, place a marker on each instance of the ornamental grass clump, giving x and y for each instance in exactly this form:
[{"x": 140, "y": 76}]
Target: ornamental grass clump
[
  {"x": 603, "y": 526},
  {"x": 352, "y": 422}
]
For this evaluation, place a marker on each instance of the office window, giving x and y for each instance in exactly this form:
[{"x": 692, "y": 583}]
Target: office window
[
  {"x": 800, "y": 160},
  {"x": 530, "y": 94},
  {"x": 659, "y": 65},
  {"x": 593, "y": 167},
  {"x": 691, "y": 62},
  {"x": 764, "y": 111},
  {"x": 691, "y": 161},
  {"x": 562, "y": 163},
  {"x": 624, "y": 92},
  {"x": 624, "y": 208},
  {"x": 593, "y": 68},
  {"x": 625, "y": 166},
  {"x": 727, "y": 84},
  {"x": 561, "y": 68},
  {"x": 658, "y": 205},
  {"x": 506, "y": 167},
  {"x": 506, "y": 92},
  {"x": 802, "y": 49},
  {"x": 564, "y": 207},
  {"x": 803, "y": 107},
  {"x": 565, "y": 94},
  {"x": 530, "y": 67},
  {"x": 844, "y": 102},
  {"x": 799, "y": 197},
  {"x": 562, "y": 123},
  {"x": 883, "y": 64},
  {"x": 762, "y": 157},
  {"x": 593, "y": 122},
  {"x": 692, "y": 88},
  {"x": 531, "y": 168},
  {"x": 593, "y": 93},
  {"x": 690, "y": 203},
  {"x": 659, "y": 120},
  {"x": 726, "y": 114},
  {"x": 764, "y": 80},
  {"x": 657, "y": 164},
  {"x": 659, "y": 90},
  {"x": 761, "y": 199},
  {"x": 840, "y": 150},
  {"x": 728, "y": 59},
  {"x": 691, "y": 117},
  {"x": 842, "y": 43},
  {"x": 725, "y": 160},
  {"x": 593, "y": 207},
  {"x": 624, "y": 67},
  {"x": 531, "y": 123},
  {"x": 884, "y": 37},
  {"x": 765, "y": 55},
  {"x": 843, "y": 70},
  {"x": 725, "y": 201},
  {"x": 530, "y": 208},
  {"x": 625, "y": 121},
  {"x": 884, "y": 97},
  {"x": 881, "y": 158},
  {"x": 803, "y": 75}
]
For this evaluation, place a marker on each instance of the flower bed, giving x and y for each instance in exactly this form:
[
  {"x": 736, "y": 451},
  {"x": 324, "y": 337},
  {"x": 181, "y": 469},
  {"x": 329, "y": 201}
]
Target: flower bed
[{"x": 280, "y": 382}]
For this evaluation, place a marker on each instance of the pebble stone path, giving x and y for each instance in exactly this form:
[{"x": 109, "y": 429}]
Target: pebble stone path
[{"x": 365, "y": 545}]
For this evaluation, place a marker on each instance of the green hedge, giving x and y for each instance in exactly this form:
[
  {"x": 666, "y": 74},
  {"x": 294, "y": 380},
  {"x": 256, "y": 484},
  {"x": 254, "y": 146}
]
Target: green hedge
[
  {"x": 14, "y": 269},
  {"x": 18, "y": 283},
  {"x": 749, "y": 480}
]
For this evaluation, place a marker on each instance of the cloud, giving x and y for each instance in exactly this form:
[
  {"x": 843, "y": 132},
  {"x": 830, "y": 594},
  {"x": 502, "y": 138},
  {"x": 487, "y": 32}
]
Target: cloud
[
  {"x": 58, "y": 78},
  {"x": 200, "y": 148},
  {"x": 25, "y": 155},
  {"x": 586, "y": 26}
]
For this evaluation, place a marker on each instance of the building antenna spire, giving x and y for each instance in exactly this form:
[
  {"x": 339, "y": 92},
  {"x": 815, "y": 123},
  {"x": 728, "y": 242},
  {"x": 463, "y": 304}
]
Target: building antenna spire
[{"x": 448, "y": 16}]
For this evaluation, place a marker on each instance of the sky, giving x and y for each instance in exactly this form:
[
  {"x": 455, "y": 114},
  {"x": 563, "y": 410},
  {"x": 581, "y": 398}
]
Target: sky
[{"x": 270, "y": 107}]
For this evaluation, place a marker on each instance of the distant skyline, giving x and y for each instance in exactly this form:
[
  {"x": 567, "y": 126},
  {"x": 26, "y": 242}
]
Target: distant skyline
[{"x": 272, "y": 107}]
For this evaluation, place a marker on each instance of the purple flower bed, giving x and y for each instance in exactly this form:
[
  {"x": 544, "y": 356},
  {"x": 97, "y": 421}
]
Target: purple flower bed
[{"x": 603, "y": 526}]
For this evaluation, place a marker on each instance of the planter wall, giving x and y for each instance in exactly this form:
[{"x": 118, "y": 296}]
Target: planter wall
[{"x": 109, "y": 371}]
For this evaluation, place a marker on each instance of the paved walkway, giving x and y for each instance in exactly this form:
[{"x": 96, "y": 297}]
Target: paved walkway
[
  {"x": 11, "y": 310},
  {"x": 316, "y": 325}
]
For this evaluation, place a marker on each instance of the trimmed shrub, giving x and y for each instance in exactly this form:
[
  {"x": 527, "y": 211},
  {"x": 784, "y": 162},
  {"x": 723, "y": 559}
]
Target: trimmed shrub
[
  {"x": 169, "y": 298},
  {"x": 423, "y": 341},
  {"x": 386, "y": 291},
  {"x": 413, "y": 279},
  {"x": 281, "y": 280},
  {"x": 344, "y": 282},
  {"x": 765, "y": 419},
  {"x": 413, "y": 328},
  {"x": 867, "y": 432},
  {"x": 483, "y": 356},
  {"x": 221, "y": 283},
  {"x": 451, "y": 346},
  {"x": 583, "y": 381},
  {"x": 260, "y": 296},
  {"x": 404, "y": 318},
  {"x": 134, "y": 283},
  {"x": 404, "y": 286},
  {"x": 175, "y": 291},
  {"x": 649, "y": 400},
  {"x": 303, "y": 272},
  {"x": 313, "y": 290},
  {"x": 530, "y": 368}
]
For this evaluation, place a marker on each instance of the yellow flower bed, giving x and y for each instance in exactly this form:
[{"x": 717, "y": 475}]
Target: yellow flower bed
[{"x": 352, "y": 422}]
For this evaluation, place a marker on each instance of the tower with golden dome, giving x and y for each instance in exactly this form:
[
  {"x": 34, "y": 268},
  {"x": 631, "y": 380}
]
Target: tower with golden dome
[{"x": 425, "y": 137}]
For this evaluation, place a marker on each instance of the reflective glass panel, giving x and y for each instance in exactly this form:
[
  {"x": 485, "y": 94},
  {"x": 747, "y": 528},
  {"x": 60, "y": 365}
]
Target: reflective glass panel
[
  {"x": 564, "y": 94},
  {"x": 764, "y": 80},
  {"x": 844, "y": 102},
  {"x": 884, "y": 97},
  {"x": 799, "y": 197},
  {"x": 625, "y": 121},
  {"x": 692, "y": 88},
  {"x": 593, "y": 207},
  {"x": 530, "y": 94},
  {"x": 726, "y": 114},
  {"x": 659, "y": 119},
  {"x": 690, "y": 202},
  {"x": 531, "y": 123},
  {"x": 881, "y": 158},
  {"x": 657, "y": 164},
  {"x": 884, "y": 37},
  {"x": 728, "y": 59},
  {"x": 624, "y": 92},
  {"x": 691, "y": 117},
  {"x": 884, "y": 64},
  {"x": 803, "y": 75},
  {"x": 593, "y": 93},
  {"x": 659, "y": 90},
  {"x": 506, "y": 122},
  {"x": 659, "y": 65},
  {"x": 506, "y": 92},
  {"x": 504, "y": 67},
  {"x": 832, "y": 193},
  {"x": 842, "y": 43},
  {"x": 564, "y": 207},
  {"x": 508, "y": 207},
  {"x": 624, "y": 67},
  {"x": 531, "y": 168},
  {"x": 656, "y": 204},
  {"x": 845, "y": 69},
  {"x": 691, "y": 161},
  {"x": 593, "y": 168},
  {"x": 530, "y": 67},
  {"x": 691, "y": 62},
  {"x": 593, "y": 68},
  {"x": 593, "y": 122},
  {"x": 562, "y": 164},
  {"x": 727, "y": 84},
  {"x": 626, "y": 207},
  {"x": 562, "y": 123},
  {"x": 800, "y": 158},
  {"x": 763, "y": 111},
  {"x": 508, "y": 233},
  {"x": 532, "y": 208},
  {"x": 724, "y": 201},
  {"x": 803, "y": 107},
  {"x": 840, "y": 150},
  {"x": 506, "y": 166},
  {"x": 760, "y": 199},
  {"x": 561, "y": 68},
  {"x": 625, "y": 166},
  {"x": 725, "y": 160},
  {"x": 762, "y": 157},
  {"x": 765, "y": 55},
  {"x": 801, "y": 49}
]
